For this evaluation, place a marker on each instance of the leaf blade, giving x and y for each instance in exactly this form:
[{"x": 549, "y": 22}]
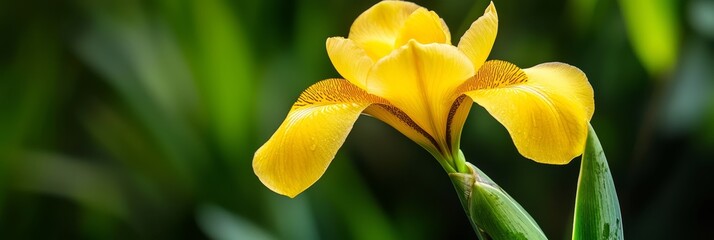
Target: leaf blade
[{"x": 597, "y": 209}]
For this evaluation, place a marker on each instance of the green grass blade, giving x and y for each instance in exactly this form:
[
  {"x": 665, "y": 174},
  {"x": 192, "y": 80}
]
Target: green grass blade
[{"x": 597, "y": 210}]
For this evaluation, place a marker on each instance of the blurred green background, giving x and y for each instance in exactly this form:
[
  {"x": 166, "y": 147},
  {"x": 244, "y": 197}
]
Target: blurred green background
[{"x": 127, "y": 119}]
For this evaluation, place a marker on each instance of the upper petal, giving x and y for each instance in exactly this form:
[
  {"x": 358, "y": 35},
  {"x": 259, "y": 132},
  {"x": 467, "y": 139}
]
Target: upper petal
[
  {"x": 478, "y": 40},
  {"x": 376, "y": 29},
  {"x": 424, "y": 26},
  {"x": 300, "y": 150},
  {"x": 421, "y": 79},
  {"x": 350, "y": 60},
  {"x": 546, "y": 108}
]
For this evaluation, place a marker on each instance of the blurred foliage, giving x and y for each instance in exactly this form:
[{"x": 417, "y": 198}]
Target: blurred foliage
[
  {"x": 653, "y": 28},
  {"x": 138, "y": 119}
]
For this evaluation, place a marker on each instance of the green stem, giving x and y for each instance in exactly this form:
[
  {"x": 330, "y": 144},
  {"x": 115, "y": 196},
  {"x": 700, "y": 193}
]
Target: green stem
[
  {"x": 460, "y": 163},
  {"x": 445, "y": 163}
]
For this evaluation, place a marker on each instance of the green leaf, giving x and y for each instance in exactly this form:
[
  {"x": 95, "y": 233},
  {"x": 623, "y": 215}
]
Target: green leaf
[
  {"x": 221, "y": 224},
  {"x": 597, "y": 210},
  {"x": 491, "y": 210},
  {"x": 143, "y": 64},
  {"x": 222, "y": 59},
  {"x": 90, "y": 185},
  {"x": 653, "y": 29}
]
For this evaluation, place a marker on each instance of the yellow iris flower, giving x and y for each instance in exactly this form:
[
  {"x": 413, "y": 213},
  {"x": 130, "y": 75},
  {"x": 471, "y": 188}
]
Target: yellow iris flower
[{"x": 400, "y": 67}]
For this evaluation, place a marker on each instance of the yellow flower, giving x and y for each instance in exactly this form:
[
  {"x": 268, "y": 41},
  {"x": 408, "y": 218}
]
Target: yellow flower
[{"x": 400, "y": 67}]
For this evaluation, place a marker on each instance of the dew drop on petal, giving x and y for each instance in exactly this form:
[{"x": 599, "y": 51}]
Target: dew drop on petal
[{"x": 313, "y": 146}]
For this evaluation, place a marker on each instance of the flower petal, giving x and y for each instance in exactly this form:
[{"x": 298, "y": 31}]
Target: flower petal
[
  {"x": 424, "y": 26},
  {"x": 455, "y": 123},
  {"x": 376, "y": 29},
  {"x": 404, "y": 124},
  {"x": 300, "y": 150},
  {"x": 350, "y": 61},
  {"x": 546, "y": 108},
  {"x": 421, "y": 79},
  {"x": 478, "y": 40}
]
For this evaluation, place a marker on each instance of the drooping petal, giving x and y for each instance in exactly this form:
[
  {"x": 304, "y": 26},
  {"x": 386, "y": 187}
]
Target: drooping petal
[
  {"x": 300, "y": 150},
  {"x": 403, "y": 123},
  {"x": 478, "y": 40},
  {"x": 421, "y": 79},
  {"x": 424, "y": 26},
  {"x": 376, "y": 29},
  {"x": 546, "y": 108},
  {"x": 350, "y": 60}
]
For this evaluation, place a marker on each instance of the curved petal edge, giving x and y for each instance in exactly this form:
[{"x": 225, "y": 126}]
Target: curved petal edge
[
  {"x": 545, "y": 108},
  {"x": 299, "y": 152},
  {"x": 478, "y": 40}
]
